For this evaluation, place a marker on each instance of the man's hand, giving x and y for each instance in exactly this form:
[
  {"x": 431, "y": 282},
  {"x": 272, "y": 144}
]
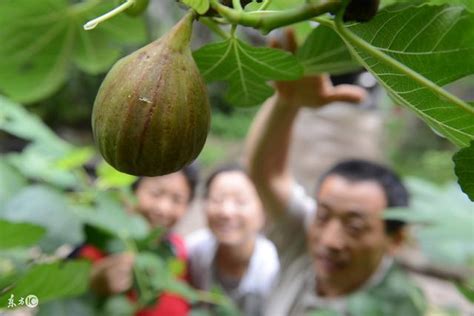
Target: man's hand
[
  {"x": 113, "y": 275},
  {"x": 315, "y": 91}
]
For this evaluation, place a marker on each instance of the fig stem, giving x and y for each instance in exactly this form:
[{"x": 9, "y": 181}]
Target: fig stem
[
  {"x": 265, "y": 5},
  {"x": 237, "y": 6},
  {"x": 212, "y": 25},
  {"x": 267, "y": 21},
  {"x": 93, "y": 23}
]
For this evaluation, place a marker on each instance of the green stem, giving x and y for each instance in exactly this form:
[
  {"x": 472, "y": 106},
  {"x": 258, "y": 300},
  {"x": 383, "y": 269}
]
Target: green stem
[
  {"x": 356, "y": 41},
  {"x": 212, "y": 25},
  {"x": 236, "y": 4},
  {"x": 325, "y": 21},
  {"x": 212, "y": 298},
  {"x": 132, "y": 247},
  {"x": 93, "y": 23},
  {"x": 267, "y": 21},
  {"x": 265, "y": 5}
]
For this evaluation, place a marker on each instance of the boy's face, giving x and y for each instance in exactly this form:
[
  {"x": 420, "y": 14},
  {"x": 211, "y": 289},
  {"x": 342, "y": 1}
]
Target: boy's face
[
  {"x": 163, "y": 200},
  {"x": 347, "y": 238},
  {"x": 233, "y": 208}
]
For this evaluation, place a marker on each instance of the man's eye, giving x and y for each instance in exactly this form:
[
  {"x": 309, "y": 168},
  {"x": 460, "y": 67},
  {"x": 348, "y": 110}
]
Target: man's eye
[
  {"x": 322, "y": 215},
  {"x": 356, "y": 227}
]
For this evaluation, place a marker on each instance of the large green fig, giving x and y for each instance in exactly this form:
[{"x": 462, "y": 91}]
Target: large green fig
[{"x": 151, "y": 115}]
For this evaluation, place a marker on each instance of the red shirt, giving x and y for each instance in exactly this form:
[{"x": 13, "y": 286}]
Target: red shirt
[{"x": 167, "y": 304}]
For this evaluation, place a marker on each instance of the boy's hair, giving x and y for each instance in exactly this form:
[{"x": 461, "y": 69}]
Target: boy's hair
[
  {"x": 356, "y": 170},
  {"x": 190, "y": 172},
  {"x": 225, "y": 168}
]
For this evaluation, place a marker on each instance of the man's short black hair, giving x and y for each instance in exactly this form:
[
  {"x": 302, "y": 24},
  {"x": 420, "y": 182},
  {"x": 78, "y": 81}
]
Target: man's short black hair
[
  {"x": 225, "y": 168},
  {"x": 190, "y": 172},
  {"x": 355, "y": 170}
]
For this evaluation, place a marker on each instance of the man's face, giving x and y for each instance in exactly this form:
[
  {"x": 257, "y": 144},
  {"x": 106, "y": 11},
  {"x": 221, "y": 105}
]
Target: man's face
[
  {"x": 233, "y": 208},
  {"x": 163, "y": 200},
  {"x": 347, "y": 238}
]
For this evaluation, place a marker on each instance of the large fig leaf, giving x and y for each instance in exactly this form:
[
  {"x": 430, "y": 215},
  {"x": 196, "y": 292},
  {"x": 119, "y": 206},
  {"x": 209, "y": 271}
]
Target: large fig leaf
[
  {"x": 17, "y": 121},
  {"x": 464, "y": 169},
  {"x": 443, "y": 218},
  {"x": 40, "y": 40},
  {"x": 19, "y": 234},
  {"x": 324, "y": 51},
  {"x": 48, "y": 208},
  {"x": 49, "y": 281},
  {"x": 246, "y": 68},
  {"x": 11, "y": 181},
  {"x": 414, "y": 51}
]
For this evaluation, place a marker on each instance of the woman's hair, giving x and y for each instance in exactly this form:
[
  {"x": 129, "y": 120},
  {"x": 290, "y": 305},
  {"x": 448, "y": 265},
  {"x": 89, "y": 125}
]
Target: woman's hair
[
  {"x": 224, "y": 168},
  {"x": 190, "y": 172}
]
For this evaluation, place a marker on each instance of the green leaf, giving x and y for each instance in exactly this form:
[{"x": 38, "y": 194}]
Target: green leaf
[
  {"x": 72, "y": 306},
  {"x": 48, "y": 208},
  {"x": 246, "y": 68},
  {"x": 201, "y": 6},
  {"x": 11, "y": 181},
  {"x": 75, "y": 158},
  {"x": 414, "y": 51},
  {"x": 464, "y": 162},
  {"x": 108, "y": 177},
  {"x": 17, "y": 121},
  {"x": 94, "y": 53},
  {"x": 42, "y": 38},
  {"x": 38, "y": 162},
  {"x": 324, "y": 51},
  {"x": 111, "y": 217},
  {"x": 37, "y": 42},
  {"x": 443, "y": 219},
  {"x": 118, "y": 305},
  {"x": 19, "y": 234},
  {"x": 50, "y": 281}
]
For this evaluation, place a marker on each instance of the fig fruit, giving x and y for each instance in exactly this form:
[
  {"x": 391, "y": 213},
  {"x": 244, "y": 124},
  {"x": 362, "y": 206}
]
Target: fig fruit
[
  {"x": 361, "y": 10},
  {"x": 151, "y": 115}
]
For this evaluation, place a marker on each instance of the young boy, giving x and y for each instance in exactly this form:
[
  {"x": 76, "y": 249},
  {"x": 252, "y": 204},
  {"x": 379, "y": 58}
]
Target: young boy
[{"x": 162, "y": 201}]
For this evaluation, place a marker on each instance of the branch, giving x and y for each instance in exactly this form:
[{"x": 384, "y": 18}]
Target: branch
[{"x": 267, "y": 21}]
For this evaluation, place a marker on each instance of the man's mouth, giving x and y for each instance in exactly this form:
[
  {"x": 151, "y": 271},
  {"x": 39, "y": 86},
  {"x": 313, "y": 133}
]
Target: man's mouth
[{"x": 330, "y": 264}]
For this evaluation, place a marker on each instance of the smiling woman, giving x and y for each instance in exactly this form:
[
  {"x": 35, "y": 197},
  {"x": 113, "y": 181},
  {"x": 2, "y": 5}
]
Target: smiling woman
[{"x": 231, "y": 254}]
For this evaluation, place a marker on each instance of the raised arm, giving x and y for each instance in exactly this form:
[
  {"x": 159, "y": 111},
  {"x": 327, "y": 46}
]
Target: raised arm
[{"x": 268, "y": 141}]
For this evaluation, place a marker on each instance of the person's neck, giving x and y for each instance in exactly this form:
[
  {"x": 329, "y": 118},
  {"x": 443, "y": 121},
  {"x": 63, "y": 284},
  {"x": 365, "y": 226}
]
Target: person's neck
[
  {"x": 326, "y": 288},
  {"x": 233, "y": 260}
]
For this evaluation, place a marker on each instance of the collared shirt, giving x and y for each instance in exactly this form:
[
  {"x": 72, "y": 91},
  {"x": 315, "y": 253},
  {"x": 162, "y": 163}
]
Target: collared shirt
[
  {"x": 250, "y": 292},
  {"x": 295, "y": 293}
]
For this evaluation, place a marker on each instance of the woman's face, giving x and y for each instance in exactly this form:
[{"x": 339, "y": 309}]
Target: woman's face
[
  {"x": 233, "y": 208},
  {"x": 163, "y": 200}
]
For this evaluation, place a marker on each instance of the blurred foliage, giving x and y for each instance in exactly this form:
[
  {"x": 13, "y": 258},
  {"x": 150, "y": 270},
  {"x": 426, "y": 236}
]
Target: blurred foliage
[
  {"x": 71, "y": 207},
  {"x": 444, "y": 225}
]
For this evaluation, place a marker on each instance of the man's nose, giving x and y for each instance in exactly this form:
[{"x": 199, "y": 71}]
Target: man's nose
[{"x": 332, "y": 236}]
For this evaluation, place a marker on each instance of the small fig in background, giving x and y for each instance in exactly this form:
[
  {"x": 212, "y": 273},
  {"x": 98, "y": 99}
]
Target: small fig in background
[
  {"x": 361, "y": 10},
  {"x": 151, "y": 115}
]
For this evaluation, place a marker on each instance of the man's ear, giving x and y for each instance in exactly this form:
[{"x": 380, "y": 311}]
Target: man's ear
[{"x": 397, "y": 239}]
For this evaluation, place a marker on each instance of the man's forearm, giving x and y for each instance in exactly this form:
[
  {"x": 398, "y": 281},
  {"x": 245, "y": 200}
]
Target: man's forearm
[{"x": 267, "y": 147}]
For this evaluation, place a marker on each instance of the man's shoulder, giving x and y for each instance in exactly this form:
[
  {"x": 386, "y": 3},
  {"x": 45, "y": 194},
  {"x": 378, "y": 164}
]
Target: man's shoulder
[{"x": 396, "y": 292}]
